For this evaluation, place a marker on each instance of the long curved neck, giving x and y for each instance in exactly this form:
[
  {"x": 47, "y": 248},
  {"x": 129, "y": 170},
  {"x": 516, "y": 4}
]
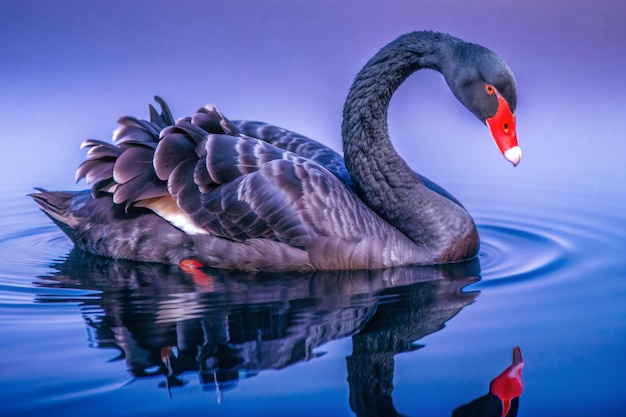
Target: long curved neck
[{"x": 383, "y": 179}]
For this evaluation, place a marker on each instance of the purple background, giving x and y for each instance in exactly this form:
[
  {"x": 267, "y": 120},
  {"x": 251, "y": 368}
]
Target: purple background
[{"x": 71, "y": 68}]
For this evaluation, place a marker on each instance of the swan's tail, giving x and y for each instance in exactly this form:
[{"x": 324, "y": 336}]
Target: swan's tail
[{"x": 60, "y": 207}]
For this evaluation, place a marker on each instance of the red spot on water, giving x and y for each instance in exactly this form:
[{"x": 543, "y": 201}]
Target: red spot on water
[
  {"x": 192, "y": 267},
  {"x": 187, "y": 264}
]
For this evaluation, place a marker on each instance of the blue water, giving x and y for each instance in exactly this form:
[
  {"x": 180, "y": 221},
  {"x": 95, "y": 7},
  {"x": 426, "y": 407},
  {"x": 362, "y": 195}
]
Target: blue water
[{"x": 82, "y": 335}]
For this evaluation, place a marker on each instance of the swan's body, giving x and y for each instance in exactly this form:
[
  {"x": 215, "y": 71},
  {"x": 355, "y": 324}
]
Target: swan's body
[{"x": 248, "y": 195}]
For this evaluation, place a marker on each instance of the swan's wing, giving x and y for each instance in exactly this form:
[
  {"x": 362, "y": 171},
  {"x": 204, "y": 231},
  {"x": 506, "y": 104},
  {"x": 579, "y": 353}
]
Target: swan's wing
[
  {"x": 242, "y": 188},
  {"x": 315, "y": 151},
  {"x": 206, "y": 176},
  {"x": 298, "y": 144},
  {"x": 124, "y": 167}
]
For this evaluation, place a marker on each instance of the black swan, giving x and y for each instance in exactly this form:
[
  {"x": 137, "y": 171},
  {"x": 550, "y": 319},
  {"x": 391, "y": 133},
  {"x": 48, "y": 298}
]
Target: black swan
[{"x": 252, "y": 196}]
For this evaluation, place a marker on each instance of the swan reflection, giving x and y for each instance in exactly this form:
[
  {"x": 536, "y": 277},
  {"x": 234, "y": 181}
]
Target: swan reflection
[{"x": 227, "y": 325}]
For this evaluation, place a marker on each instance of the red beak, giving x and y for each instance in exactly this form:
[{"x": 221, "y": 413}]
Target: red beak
[{"x": 503, "y": 131}]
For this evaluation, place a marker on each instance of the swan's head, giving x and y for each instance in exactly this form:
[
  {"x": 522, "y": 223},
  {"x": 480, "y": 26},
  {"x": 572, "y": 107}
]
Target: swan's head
[{"x": 484, "y": 84}]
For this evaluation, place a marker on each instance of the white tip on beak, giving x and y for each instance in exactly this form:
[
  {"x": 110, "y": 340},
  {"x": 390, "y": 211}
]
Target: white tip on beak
[{"x": 513, "y": 155}]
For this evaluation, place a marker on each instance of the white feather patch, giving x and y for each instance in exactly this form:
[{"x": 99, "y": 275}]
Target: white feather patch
[{"x": 167, "y": 208}]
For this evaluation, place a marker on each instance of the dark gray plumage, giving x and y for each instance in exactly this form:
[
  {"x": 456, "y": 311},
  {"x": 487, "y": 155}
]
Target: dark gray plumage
[{"x": 252, "y": 196}]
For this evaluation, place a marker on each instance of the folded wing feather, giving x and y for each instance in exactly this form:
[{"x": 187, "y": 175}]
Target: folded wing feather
[{"x": 206, "y": 174}]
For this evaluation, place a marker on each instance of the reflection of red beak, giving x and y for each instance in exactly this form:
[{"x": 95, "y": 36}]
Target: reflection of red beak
[
  {"x": 508, "y": 384},
  {"x": 503, "y": 131}
]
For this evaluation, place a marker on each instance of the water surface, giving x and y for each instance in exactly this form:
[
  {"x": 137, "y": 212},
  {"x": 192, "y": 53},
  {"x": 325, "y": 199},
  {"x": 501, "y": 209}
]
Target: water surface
[{"x": 83, "y": 335}]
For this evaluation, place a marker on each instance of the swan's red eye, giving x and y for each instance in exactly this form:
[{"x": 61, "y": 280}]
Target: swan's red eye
[{"x": 490, "y": 89}]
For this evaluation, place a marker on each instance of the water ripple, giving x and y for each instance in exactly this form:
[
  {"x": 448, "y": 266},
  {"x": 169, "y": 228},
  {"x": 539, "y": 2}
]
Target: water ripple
[
  {"x": 563, "y": 231},
  {"x": 516, "y": 253}
]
